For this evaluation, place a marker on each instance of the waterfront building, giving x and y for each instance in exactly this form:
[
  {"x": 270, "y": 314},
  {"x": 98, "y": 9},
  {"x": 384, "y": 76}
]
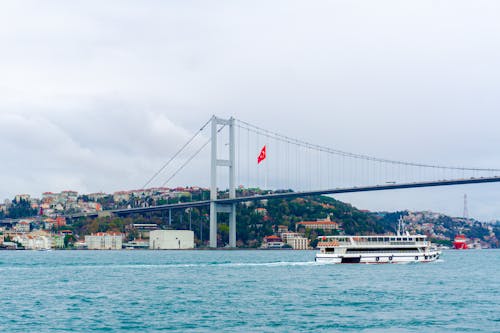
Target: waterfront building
[
  {"x": 286, "y": 235},
  {"x": 298, "y": 242},
  {"x": 272, "y": 242},
  {"x": 104, "y": 241},
  {"x": 171, "y": 239},
  {"x": 34, "y": 242}
]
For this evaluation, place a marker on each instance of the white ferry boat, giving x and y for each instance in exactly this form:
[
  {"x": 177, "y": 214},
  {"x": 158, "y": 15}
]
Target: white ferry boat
[
  {"x": 404, "y": 248},
  {"x": 376, "y": 249}
]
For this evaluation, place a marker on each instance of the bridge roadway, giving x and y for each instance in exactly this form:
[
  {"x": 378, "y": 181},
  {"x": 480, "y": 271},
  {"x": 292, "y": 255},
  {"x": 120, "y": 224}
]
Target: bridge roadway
[{"x": 290, "y": 195}]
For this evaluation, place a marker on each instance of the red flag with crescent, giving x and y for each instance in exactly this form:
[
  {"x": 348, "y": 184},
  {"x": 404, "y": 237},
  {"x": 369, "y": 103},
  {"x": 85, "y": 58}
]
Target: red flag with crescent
[{"x": 262, "y": 155}]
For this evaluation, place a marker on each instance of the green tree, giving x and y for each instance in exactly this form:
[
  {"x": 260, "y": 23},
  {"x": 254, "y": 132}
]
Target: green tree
[
  {"x": 69, "y": 241},
  {"x": 20, "y": 209}
]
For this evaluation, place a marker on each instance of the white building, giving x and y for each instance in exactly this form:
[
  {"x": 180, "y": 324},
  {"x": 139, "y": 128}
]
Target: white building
[
  {"x": 104, "y": 241},
  {"x": 23, "y": 226},
  {"x": 34, "y": 242},
  {"x": 286, "y": 235},
  {"x": 298, "y": 242},
  {"x": 171, "y": 239}
]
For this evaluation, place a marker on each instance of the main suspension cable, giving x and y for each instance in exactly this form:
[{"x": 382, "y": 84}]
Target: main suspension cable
[
  {"x": 191, "y": 157},
  {"x": 177, "y": 153},
  {"x": 300, "y": 143}
]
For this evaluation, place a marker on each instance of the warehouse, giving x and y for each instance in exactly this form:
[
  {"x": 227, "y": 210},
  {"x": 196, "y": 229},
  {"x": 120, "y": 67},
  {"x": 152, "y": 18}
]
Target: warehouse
[{"x": 171, "y": 239}]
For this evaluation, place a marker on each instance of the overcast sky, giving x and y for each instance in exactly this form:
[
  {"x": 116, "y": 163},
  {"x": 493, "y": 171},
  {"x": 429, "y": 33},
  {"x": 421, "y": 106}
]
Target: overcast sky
[{"x": 96, "y": 95}]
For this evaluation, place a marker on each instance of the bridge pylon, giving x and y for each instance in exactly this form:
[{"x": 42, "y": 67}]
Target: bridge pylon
[{"x": 231, "y": 164}]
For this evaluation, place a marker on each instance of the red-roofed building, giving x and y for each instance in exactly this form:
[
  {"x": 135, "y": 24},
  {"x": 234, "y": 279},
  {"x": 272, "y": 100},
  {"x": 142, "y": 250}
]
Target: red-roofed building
[
  {"x": 272, "y": 239},
  {"x": 272, "y": 242},
  {"x": 325, "y": 225},
  {"x": 60, "y": 221}
]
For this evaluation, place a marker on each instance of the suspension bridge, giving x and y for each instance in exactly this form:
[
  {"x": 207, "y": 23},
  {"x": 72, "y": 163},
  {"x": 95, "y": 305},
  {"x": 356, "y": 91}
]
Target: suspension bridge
[{"x": 247, "y": 156}]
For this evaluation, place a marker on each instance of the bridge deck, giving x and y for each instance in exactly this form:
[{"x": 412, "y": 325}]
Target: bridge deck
[{"x": 290, "y": 195}]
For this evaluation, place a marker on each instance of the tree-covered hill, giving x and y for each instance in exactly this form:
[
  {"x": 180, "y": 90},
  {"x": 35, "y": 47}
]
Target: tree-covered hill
[{"x": 255, "y": 220}]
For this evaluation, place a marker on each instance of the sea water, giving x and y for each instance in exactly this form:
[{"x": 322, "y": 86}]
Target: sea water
[{"x": 244, "y": 291}]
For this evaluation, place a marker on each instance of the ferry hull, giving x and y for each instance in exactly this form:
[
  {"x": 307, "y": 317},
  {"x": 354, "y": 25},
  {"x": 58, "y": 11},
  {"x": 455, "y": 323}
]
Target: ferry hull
[
  {"x": 460, "y": 246},
  {"x": 460, "y": 242},
  {"x": 377, "y": 259}
]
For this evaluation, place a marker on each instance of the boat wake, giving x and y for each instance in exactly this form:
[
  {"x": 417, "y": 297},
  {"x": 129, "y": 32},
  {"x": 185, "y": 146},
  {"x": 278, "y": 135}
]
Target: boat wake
[
  {"x": 272, "y": 264},
  {"x": 234, "y": 264}
]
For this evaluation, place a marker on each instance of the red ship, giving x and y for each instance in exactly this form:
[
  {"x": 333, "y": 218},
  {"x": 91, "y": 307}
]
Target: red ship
[{"x": 460, "y": 242}]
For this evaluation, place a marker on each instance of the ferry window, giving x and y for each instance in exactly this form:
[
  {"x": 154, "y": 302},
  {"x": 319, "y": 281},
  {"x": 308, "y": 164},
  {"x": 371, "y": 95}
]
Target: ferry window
[{"x": 405, "y": 239}]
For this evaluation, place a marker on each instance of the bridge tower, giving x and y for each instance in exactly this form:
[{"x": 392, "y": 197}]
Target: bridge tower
[{"x": 231, "y": 164}]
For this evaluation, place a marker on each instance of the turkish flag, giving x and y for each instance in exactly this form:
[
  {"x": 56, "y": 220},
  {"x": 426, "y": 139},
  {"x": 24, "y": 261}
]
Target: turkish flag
[{"x": 262, "y": 155}]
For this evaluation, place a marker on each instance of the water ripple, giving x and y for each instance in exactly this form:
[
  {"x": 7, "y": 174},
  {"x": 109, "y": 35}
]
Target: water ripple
[{"x": 247, "y": 291}]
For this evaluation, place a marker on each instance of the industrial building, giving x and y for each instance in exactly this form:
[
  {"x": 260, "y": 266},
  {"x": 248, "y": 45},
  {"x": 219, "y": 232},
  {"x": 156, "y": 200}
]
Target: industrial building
[{"x": 171, "y": 239}]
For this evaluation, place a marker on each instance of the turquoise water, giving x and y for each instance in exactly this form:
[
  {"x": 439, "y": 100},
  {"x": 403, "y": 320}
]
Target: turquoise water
[{"x": 244, "y": 291}]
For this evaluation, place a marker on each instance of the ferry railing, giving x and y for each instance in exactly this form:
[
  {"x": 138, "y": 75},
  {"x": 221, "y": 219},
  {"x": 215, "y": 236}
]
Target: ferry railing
[
  {"x": 332, "y": 243},
  {"x": 393, "y": 250}
]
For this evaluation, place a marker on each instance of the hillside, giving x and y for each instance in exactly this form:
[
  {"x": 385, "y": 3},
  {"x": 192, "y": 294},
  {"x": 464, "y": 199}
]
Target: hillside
[{"x": 255, "y": 220}]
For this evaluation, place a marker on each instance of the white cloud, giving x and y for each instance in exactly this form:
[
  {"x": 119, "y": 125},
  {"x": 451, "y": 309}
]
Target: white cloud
[{"x": 98, "y": 95}]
